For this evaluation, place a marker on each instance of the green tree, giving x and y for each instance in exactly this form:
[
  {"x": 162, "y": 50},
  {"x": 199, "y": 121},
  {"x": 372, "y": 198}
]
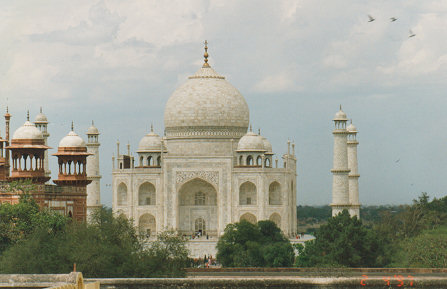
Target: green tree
[
  {"x": 106, "y": 247},
  {"x": 167, "y": 256},
  {"x": 245, "y": 244},
  {"x": 343, "y": 241},
  {"x": 427, "y": 250},
  {"x": 19, "y": 221}
]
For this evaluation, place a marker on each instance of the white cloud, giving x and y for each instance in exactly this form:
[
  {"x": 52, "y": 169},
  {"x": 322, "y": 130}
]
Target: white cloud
[
  {"x": 281, "y": 82},
  {"x": 335, "y": 61},
  {"x": 426, "y": 53}
]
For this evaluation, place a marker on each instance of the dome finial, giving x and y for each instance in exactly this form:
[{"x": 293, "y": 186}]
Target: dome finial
[
  {"x": 152, "y": 127},
  {"x": 27, "y": 115},
  {"x": 72, "y": 126},
  {"x": 259, "y": 131},
  {"x": 40, "y": 109},
  {"x": 206, "y": 55},
  {"x": 251, "y": 130},
  {"x": 7, "y": 109},
  {"x": 340, "y": 107},
  {"x": 93, "y": 123}
]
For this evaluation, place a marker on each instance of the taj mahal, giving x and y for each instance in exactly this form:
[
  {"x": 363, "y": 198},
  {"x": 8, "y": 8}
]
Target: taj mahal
[{"x": 209, "y": 168}]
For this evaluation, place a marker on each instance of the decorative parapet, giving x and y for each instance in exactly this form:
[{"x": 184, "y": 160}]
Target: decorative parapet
[{"x": 193, "y": 132}]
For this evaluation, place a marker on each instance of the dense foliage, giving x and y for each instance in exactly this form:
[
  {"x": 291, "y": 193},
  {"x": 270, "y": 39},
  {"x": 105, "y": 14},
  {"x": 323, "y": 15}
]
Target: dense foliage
[
  {"x": 421, "y": 225},
  {"x": 342, "y": 242},
  {"x": 405, "y": 236},
  {"x": 45, "y": 242},
  {"x": 254, "y": 245},
  {"x": 18, "y": 222}
]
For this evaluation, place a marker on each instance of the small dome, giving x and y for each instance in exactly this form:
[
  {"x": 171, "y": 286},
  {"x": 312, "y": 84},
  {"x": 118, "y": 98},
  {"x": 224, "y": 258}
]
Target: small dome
[
  {"x": 251, "y": 142},
  {"x": 41, "y": 118},
  {"x": 351, "y": 128},
  {"x": 267, "y": 145},
  {"x": 340, "y": 115},
  {"x": 72, "y": 140},
  {"x": 27, "y": 131},
  {"x": 92, "y": 130},
  {"x": 150, "y": 143}
]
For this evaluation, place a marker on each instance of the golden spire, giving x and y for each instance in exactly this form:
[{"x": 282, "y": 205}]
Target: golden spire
[
  {"x": 206, "y": 55},
  {"x": 72, "y": 126},
  {"x": 27, "y": 115}
]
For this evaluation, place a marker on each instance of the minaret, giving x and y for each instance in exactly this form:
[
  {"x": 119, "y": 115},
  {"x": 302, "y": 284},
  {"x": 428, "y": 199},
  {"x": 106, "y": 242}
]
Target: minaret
[
  {"x": 94, "y": 188},
  {"x": 7, "y": 119},
  {"x": 340, "y": 170},
  {"x": 354, "y": 209},
  {"x": 41, "y": 123}
]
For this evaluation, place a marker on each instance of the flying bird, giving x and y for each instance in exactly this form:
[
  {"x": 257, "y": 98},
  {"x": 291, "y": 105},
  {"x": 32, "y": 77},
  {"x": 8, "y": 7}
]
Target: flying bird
[
  {"x": 398, "y": 161},
  {"x": 411, "y": 34},
  {"x": 393, "y": 19},
  {"x": 371, "y": 19}
]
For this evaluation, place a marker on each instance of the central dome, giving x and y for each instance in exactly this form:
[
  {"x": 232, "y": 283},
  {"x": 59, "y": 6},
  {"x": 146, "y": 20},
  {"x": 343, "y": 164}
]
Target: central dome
[{"x": 206, "y": 105}]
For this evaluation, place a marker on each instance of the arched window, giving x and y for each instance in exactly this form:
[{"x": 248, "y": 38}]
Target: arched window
[
  {"x": 249, "y": 161},
  {"x": 267, "y": 163},
  {"x": 241, "y": 160},
  {"x": 141, "y": 161},
  {"x": 276, "y": 218},
  {"x": 122, "y": 195},
  {"x": 200, "y": 226},
  {"x": 150, "y": 161},
  {"x": 159, "y": 161},
  {"x": 247, "y": 194},
  {"x": 199, "y": 199},
  {"x": 146, "y": 194},
  {"x": 248, "y": 217},
  {"x": 275, "y": 194},
  {"x": 259, "y": 161}
]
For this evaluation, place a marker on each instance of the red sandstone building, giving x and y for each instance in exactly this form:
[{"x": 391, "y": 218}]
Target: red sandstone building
[{"x": 24, "y": 159}]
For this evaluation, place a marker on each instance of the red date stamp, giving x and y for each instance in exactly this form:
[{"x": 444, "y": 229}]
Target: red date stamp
[{"x": 392, "y": 281}]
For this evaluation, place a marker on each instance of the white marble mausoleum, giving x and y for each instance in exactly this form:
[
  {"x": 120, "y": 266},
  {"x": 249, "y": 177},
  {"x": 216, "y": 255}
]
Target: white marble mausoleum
[{"x": 208, "y": 169}]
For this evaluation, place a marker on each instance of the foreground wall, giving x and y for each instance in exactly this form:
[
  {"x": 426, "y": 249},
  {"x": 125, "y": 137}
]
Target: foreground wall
[
  {"x": 269, "y": 282},
  {"x": 291, "y": 278}
]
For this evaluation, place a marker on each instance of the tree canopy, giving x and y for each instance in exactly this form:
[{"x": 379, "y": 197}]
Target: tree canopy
[
  {"x": 245, "y": 244},
  {"x": 108, "y": 246},
  {"x": 342, "y": 242}
]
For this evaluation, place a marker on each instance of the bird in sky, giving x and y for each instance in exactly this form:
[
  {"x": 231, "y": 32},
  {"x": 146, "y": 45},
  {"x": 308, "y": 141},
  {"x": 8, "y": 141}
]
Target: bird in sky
[
  {"x": 371, "y": 19},
  {"x": 398, "y": 161},
  {"x": 393, "y": 19},
  {"x": 412, "y": 34}
]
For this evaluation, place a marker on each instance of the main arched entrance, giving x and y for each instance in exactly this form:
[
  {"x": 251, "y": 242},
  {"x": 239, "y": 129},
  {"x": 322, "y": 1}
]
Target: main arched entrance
[{"x": 197, "y": 211}]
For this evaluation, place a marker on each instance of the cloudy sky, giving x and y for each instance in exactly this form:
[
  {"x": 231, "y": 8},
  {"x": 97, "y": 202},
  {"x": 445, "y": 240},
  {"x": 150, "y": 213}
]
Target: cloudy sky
[{"x": 295, "y": 61}]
